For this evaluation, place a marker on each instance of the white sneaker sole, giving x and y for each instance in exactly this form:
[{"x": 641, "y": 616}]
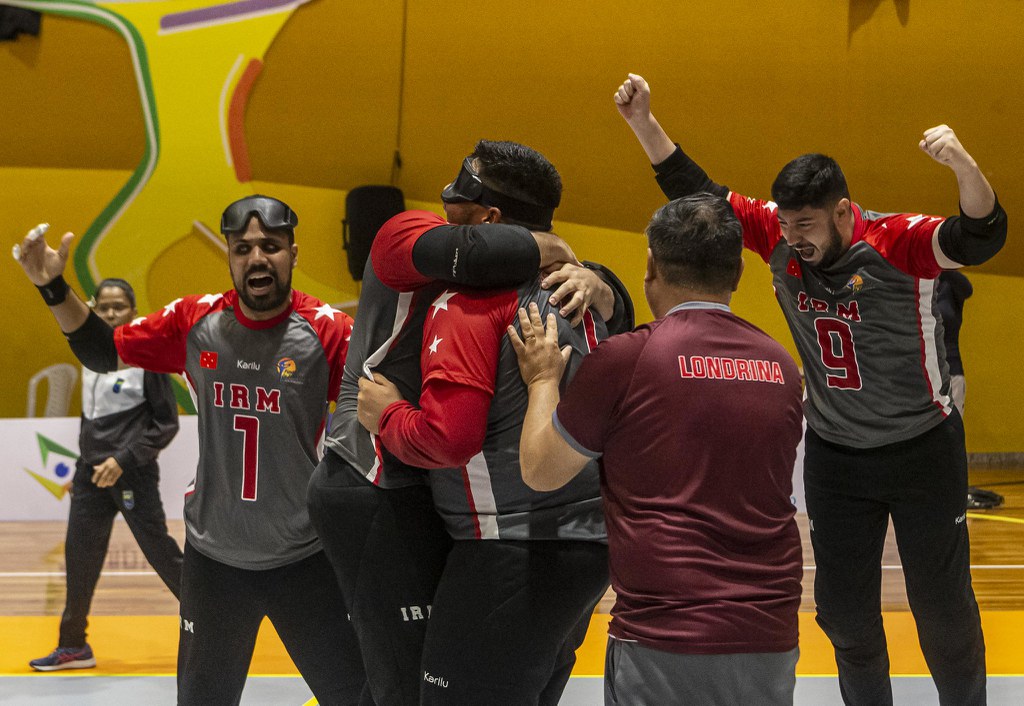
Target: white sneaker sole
[{"x": 77, "y": 664}]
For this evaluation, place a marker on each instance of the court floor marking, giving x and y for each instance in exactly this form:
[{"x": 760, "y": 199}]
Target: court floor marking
[
  {"x": 61, "y": 574},
  {"x": 995, "y": 518}
]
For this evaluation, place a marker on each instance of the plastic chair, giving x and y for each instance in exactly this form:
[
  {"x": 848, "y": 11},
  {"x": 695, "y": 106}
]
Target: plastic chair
[{"x": 60, "y": 383}]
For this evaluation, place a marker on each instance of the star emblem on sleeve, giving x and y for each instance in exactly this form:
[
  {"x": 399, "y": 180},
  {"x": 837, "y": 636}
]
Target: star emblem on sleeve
[
  {"x": 137, "y": 321},
  {"x": 325, "y": 311},
  {"x": 210, "y": 299},
  {"x": 433, "y": 345},
  {"x": 441, "y": 302},
  {"x": 169, "y": 309}
]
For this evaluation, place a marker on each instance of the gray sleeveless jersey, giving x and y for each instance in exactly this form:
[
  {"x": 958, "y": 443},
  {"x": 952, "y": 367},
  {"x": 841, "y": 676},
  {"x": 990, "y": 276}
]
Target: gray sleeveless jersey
[
  {"x": 866, "y": 327},
  {"x": 261, "y": 389}
]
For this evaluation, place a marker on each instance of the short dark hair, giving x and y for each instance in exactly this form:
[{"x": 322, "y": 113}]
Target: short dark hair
[
  {"x": 813, "y": 180},
  {"x": 119, "y": 284},
  {"x": 520, "y": 172},
  {"x": 697, "y": 242}
]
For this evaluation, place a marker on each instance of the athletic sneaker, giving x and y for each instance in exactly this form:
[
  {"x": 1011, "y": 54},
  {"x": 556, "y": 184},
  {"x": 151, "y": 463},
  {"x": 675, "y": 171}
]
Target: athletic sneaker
[{"x": 65, "y": 658}]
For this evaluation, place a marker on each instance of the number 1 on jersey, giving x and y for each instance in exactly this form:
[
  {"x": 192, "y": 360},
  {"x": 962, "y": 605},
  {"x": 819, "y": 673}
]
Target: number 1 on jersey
[
  {"x": 835, "y": 338},
  {"x": 250, "y": 428}
]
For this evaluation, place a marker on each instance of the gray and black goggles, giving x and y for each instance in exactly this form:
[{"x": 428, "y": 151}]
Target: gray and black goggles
[{"x": 273, "y": 214}]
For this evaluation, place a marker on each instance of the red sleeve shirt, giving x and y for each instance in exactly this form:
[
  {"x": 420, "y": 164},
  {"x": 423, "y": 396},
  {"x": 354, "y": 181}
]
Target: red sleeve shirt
[
  {"x": 904, "y": 240},
  {"x": 391, "y": 252},
  {"x": 157, "y": 342},
  {"x": 334, "y": 329},
  {"x": 761, "y": 230},
  {"x": 461, "y": 342}
]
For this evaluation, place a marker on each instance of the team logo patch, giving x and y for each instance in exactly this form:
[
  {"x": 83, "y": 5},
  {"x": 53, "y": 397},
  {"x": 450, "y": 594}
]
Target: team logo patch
[
  {"x": 128, "y": 499},
  {"x": 855, "y": 283},
  {"x": 208, "y": 359},
  {"x": 286, "y": 368},
  {"x": 793, "y": 268},
  {"x": 118, "y": 384}
]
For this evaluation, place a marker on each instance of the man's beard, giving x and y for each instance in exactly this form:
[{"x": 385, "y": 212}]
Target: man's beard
[
  {"x": 278, "y": 294},
  {"x": 834, "y": 249}
]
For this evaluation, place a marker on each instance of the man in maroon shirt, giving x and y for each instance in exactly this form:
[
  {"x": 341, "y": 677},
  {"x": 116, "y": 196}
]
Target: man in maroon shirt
[{"x": 695, "y": 419}]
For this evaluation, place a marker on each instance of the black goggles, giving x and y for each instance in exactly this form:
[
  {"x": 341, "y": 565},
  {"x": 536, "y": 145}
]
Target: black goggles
[
  {"x": 468, "y": 188},
  {"x": 273, "y": 214}
]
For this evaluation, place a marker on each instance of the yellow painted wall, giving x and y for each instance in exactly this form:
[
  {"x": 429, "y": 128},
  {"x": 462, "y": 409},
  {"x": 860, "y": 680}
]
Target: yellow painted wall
[
  {"x": 69, "y": 199},
  {"x": 742, "y": 89}
]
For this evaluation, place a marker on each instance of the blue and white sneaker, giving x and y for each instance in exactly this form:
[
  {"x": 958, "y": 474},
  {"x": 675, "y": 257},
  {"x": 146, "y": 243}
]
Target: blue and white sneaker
[{"x": 65, "y": 658}]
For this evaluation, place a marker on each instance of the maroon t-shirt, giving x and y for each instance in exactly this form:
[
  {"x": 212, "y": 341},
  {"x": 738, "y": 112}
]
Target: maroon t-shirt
[{"x": 696, "y": 418}]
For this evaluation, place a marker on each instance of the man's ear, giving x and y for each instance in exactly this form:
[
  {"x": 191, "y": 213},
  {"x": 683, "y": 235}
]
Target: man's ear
[
  {"x": 739, "y": 275},
  {"x": 842, "y": 212},
  {"x": 651, "y": 272},
  {"x": 295, "y": 254},
  {"x": 843, "y": 220},
  {"x": 493, "y": 215}
]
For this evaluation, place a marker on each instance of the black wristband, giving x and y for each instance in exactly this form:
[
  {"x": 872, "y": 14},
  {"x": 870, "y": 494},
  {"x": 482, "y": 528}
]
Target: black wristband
[{"x": 55, "y": 291}]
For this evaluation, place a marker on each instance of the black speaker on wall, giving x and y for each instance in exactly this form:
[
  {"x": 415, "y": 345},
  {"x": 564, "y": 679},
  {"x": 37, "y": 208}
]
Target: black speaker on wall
[
  {"x": 366, "y": 210},
  {"x": 16, "y": 20}
]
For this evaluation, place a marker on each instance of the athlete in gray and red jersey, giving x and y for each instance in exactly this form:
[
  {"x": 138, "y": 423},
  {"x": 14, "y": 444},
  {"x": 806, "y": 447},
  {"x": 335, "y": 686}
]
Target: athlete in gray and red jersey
[
  {"x": 262, "y": 362},
  {"x": 526, "y": 568},
  {"x": 857, "y": 290},
  {"x": 373, "y": 511},
  {"x": 262, "y": 405},
  {"x": 468, "y": 422}
]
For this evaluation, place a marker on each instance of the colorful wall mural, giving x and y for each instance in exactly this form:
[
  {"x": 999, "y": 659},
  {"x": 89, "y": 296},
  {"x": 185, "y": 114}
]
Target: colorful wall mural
[{"x": 133, "y": 123}]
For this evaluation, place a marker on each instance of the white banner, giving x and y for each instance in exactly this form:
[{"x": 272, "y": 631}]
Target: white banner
[
  {"x": 40, "y": 463},
  {"x": 41, "y": 457}
]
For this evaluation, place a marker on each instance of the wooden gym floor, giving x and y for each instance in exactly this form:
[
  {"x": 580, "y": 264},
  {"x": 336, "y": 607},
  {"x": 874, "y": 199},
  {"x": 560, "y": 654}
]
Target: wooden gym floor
[{"x": 133, "y": 628}]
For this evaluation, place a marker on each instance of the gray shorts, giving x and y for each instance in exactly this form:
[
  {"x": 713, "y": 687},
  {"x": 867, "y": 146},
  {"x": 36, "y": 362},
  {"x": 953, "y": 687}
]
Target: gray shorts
[{"x": 635, "y": 675}]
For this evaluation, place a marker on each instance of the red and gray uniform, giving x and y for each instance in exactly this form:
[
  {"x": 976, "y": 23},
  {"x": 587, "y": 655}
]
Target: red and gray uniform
[
  {"x": 507, "y": 614},
  {"x": 467, "y": 355},
  {"x": 373, "y": 512},
  {"x": 878, "y": 297},
  {"x": 704, "y": 551},
  {"x": 385, "y": 338},
  {"x": 261, "y": 389}
]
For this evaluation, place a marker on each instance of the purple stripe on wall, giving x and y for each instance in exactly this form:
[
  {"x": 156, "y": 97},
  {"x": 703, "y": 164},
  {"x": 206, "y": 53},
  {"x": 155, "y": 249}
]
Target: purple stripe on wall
[{"x": 219, "y": 12}]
